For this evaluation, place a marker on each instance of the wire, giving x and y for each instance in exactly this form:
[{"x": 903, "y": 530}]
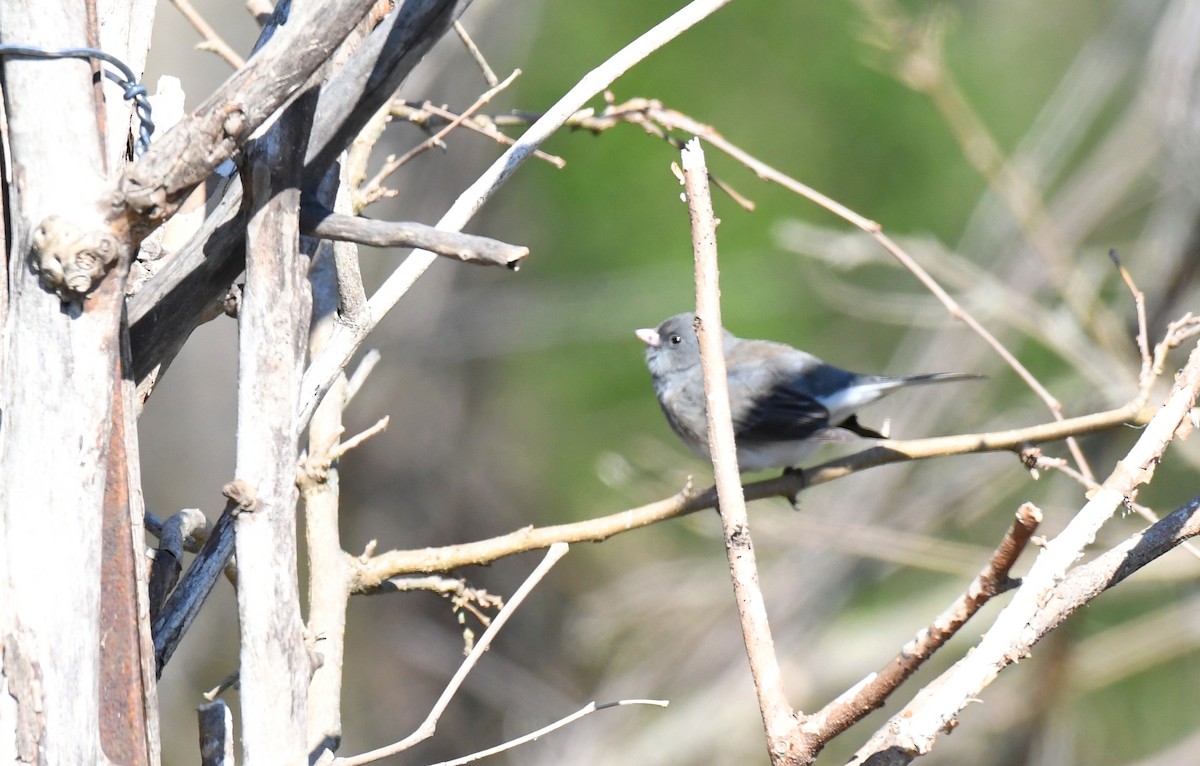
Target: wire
[{"x": 133, "y": 91}]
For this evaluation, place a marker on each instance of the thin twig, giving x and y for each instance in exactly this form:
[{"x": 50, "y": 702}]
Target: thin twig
[
  {"x": 586, "y": 710},
  {"x": 375, "y": 190},
  {"x": 484, "y": 126},
  {"x": 429, "y": 725},
  {"x": 476, "y": 54},
  {"x": 379, "y": 427},
  {"x": 359, "y": 376},
  {"x": 212, "y": 41},
  {"x": 1139, "y": 303}
]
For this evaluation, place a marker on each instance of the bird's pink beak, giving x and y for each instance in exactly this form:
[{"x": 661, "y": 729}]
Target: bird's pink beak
[{"x": 648, "y": 336}]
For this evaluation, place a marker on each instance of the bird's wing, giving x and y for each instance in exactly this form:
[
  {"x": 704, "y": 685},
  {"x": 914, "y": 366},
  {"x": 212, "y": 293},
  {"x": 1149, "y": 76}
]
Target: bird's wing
[{"x": 783, "y": 411}]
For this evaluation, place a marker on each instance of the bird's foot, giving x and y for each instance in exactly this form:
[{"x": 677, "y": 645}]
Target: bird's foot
[{"x": 798, "y": 473}]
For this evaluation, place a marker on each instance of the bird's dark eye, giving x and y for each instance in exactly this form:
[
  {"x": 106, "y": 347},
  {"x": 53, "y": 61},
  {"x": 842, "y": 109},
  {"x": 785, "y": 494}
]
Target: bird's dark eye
[{"x": 674, "y": 340}]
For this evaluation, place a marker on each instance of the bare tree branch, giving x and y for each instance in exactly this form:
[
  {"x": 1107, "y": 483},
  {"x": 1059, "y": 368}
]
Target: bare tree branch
[
  {"x": 369, "y": 572},
  {"x": 850, "y": 708},
  {"x": 468, "y": 248},
  {"x": 778, "y": 717},
  {"x": 153, "y": 189},
  {"x": 429, "y": 725}
]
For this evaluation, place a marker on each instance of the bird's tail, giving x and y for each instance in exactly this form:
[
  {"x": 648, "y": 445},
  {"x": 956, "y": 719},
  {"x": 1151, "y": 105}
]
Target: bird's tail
[{"x": 938, "y": 377}]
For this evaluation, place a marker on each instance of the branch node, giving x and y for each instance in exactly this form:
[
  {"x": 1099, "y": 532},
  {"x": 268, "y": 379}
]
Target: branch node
[
  {"x": 70, "y": 260},
  {"x": 243, "y": 496}
]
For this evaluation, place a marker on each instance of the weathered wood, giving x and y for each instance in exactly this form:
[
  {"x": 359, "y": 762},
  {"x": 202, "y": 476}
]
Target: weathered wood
[
  {"x": 124, "y": 736},
  {"x": 468, "y": 248},
  {"x": 56, "y": 392},
  {"x": 273, "y": 319},
  {"x": 158, "y": 184},
  {"x": 181, "y": 296},
  {"x": 328, "y": 567}
]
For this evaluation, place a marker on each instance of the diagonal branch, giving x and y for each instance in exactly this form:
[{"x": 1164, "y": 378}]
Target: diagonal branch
[
  {"x": 429, "y": 725},
  {"x": 913, "y": 731},
  {"x": 153, "y": 189},
  {"x": 852, "y": 707}
]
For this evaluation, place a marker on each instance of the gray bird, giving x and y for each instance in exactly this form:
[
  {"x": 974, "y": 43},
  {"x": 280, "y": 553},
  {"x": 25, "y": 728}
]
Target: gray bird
[{"x": 785, "y": 402}]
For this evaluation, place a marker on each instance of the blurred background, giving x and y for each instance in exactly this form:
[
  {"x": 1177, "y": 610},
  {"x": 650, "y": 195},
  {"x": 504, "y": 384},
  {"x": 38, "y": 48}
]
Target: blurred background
[{"x": 1007, "y": 145}]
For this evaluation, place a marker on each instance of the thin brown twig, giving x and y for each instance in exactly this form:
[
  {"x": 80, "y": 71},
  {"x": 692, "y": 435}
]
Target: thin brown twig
[
  {"x": 212, "y": 41},
  {"x": 1178, "y": 332},
  {"x": 375, "y": 190},
  {"x": 633, "y": 112},
  {"x": 869, "y": 695},
  {"x": 1143, "y": 335},
  {"x": 481, "y": 124},
  {"x": 488, "y": 74}
]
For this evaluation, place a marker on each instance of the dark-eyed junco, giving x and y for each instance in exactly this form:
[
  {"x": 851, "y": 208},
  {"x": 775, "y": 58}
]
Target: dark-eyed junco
[{"x": 785, "y": 402}]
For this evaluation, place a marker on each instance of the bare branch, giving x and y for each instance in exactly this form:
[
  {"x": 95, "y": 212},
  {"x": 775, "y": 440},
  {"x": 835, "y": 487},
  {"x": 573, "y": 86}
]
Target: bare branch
[
  {"x": 359, "y": 376},
  {"x": 852, "y": 707},
  {"x": 168, "y": 559},
  {"x": 424, "y": 115},
  {"x": 184, "y": 604},
  {"x": 468, "y": 248},
  {"x": 429, "y": 725},
  {"x": 212, "y": 41},
  {"x": 370, "y": 571},
  {"x": 778, "y": 718},
  {"x": 273, "y": 327},
  {"x": 473, "y": 49},
  {"x": 379, "y": 427},
  {"x": 375, "y": 190}
]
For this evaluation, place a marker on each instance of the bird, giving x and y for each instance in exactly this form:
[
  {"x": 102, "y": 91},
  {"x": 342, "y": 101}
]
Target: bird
[{"x": 785, "y": 402}]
